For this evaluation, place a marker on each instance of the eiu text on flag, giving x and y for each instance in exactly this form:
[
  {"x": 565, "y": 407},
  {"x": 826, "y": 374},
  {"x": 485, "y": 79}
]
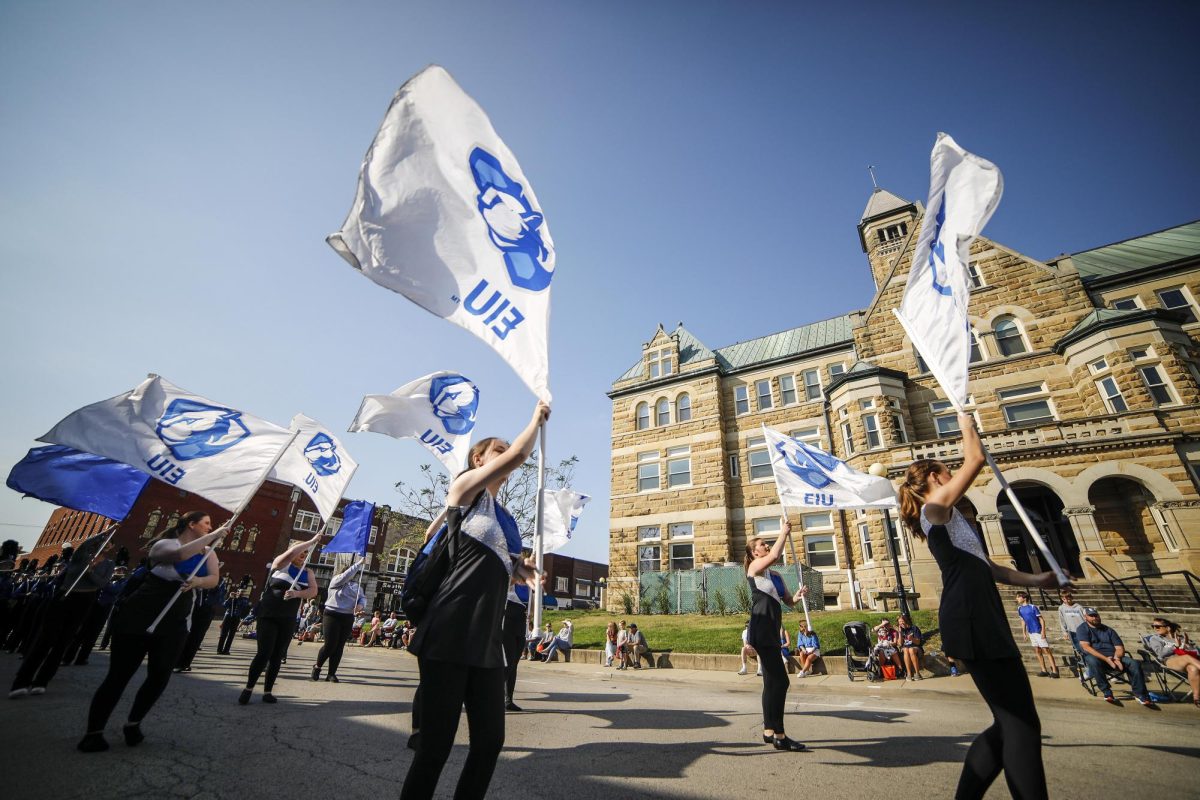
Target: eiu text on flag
[
  {"x": 808, "y": 477},
  {"x": 183, "y": 439},
  {"x": 563, "y": 507},
  {"x": 444, "y": 215},
  {"x": 964, "y": 191},
  {"x": 317, "y": 464},
  {"x": 355, "y": 531},
  {"x": 438, "y": 410},
  {"x": 82, "y": 481}
]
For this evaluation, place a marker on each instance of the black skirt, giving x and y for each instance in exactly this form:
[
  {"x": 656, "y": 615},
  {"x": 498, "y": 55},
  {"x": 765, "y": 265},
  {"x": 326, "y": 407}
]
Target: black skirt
[{"x": 971, "y": 616}]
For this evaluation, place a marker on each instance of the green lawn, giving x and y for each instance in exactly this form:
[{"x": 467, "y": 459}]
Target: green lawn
[{"x": 696, "y": 633}]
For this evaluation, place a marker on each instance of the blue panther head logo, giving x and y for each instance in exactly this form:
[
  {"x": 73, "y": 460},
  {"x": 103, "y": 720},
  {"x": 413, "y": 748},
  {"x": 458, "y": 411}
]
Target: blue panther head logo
[
  {"x": 191, "y": 429},
  {"x": 513, "y": 223},
  {"x": 455, "y": 402},
  {"x": 322, "y": 453},
  {"x": 808, "y": 464}
]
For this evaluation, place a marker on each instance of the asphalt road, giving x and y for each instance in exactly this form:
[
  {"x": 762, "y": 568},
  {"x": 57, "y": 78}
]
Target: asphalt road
[{"x": 586, "y": 732}]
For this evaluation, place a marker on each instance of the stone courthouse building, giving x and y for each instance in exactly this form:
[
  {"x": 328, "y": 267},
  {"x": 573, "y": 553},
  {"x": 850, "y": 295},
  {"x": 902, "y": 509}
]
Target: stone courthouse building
[{"x": 1086, "y": 387}]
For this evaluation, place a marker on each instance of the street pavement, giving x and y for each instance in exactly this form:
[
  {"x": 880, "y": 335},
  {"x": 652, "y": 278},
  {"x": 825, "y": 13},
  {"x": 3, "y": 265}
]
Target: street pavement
[{"x": 586, "y": 732}]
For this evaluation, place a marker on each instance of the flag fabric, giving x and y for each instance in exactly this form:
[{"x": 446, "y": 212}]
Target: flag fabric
[
  {"x": 444, "y": 215},
  {"x": 177, "y": 437},
  {"x": 562, "y": 510},
  {"x": 964, "y": 191},
  {"x": 808, "y": 477},
  {"x": 82, "y": 481},
  {"x": 355, "y": 532},
  {"x": 317, "y": 463},
  {"x": 438, "y": 410}
]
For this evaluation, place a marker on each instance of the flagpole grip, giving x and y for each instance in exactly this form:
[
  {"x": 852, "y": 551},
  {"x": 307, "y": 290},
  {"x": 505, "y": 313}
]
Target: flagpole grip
[{"x": 538, "y": 590}]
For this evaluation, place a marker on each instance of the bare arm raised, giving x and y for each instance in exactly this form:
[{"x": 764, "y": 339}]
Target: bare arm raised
[{"x": 492, "y": 473}]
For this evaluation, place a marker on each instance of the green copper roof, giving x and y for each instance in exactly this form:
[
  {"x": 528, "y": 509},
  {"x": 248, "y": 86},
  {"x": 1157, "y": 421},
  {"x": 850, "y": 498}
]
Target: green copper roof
[
  {"x": 1101, "y": 316},
  {"x": 1143, "y": 252}
]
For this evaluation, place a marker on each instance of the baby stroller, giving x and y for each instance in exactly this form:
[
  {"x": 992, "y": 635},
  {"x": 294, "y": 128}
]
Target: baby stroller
[{"x": 860, "y": 654}]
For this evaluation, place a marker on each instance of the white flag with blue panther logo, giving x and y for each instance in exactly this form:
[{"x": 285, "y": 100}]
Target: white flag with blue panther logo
[
  {"x": 177, "y": 437},
  {"x": 808, "y": 477},
  {"x": 444, "y": 215},
  {"x": 563, "y": 507},
  {"x": 964, "y": 191},
  {"x": 437, "y": 410},
  {"x": 316, "y": 463}
]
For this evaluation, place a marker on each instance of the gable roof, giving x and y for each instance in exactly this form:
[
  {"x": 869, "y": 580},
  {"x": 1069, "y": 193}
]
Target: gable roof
[
  {"x": 882, "y": 201},
  {"x": 1142, "y": 252}
]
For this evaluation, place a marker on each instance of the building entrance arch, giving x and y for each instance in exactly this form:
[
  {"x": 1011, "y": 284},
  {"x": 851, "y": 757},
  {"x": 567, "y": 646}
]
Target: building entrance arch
[{"x": 1045, "y": 510}]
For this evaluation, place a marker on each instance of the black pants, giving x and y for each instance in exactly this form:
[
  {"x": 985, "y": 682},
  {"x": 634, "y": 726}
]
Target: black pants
[
  {"x": 108, "y": 631},
  {"x": 335, "y": 632},
  {"x": 61, "y": 621},
  {"x": 775, "y": 683},
  {"x": 81, "y": 646},
  {"x": 26, "y": 619},
  {"x": 1013, "y": 743},
  {"x": 201, "y": 618},
  {"x": 514, "y": 641},
  {"x": 229, "y": 626},
  {"x": 128, "y": 650},
  {"x": 274, "y": 636},
  {"x": 445, "y": 689}
]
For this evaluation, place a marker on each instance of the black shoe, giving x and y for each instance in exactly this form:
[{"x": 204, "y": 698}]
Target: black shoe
[
  {"x": 511, "y": 706},
  {"x": 333, "y": 679},
  {"x": 244, "y": 697},
  {"x": 316, "y": 673},
  {"x": 92, "y": 743},
  {"x": 269, "y": 698},
  {"x": 768, "y": 739},
  {"x": 414, "y": 740},
  {"x": 133, "y": 734},
  {"x": 791, "y": 745}
]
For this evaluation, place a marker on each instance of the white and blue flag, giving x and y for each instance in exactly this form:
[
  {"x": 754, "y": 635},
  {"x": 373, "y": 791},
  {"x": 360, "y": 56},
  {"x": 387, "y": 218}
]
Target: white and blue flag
[
  {"x": 183, "y": 439},
  {"x": 316, "y": 463},
  {"x": 563, "y": 507},
  {"x": 444, "y": 215},
  {"x": 964, "y": 191},
  {"x": 808, "y": 477},
  {"x": 438, "y": 410}
]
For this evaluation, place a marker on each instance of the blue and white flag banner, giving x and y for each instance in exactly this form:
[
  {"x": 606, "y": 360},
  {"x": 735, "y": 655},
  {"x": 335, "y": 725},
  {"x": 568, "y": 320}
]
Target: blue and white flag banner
[
  {"x": 180, "y": 438},
  {"x": 808, "y": 477},
  {"x": 316, "y": 463},
  {"x": 964, "y": 191},
  {"x": 438, "y": 410},
  {"x": 563, "y": 507},
  {"x": 355, "y": 531},
  {"x": 82, "y": 481},
  {"x": 444, "y": 215}
]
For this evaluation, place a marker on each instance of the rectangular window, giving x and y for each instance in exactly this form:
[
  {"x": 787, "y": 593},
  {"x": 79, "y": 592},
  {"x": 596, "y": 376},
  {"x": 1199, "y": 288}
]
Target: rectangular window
[
  {"x": 976, "y": 353},
  {"x": 847, "y": 439},
  {"x": 647, "y": 472},
  {"x": 759, "y": 458},
  {"x": 374, "y": 533},
  {"x": 1099, "y": 365},
  {"x": 679, "y": 466},
  {"x": 817, "y": 521},
  {"x": 973, "y": 274},
  {"x": 662, "y": 413},
  {"x": 1021, "y": 391},
  {"x": 1139, "y": 353},
  {"x": 561, "y": 583},
  {"x": 898, "y": 421},
  {"x": 680, "y": 530},
  {"x": 864, "y": 539},
  {"x": 836, "y": 370},
  {"x": 734, "y": 468},
  {"x": 741, "y": 400},
  {"x": 812, "y": 384},
  {"x": 649, "y": 559},
  {"x": 871, "y": 425},
  {"x": 1126, "y": 304},
  {"x": 763, "y": 390},
  {"x": 767, "y": 527},
  {"x": 1023, "y": 415},
  {"x": 897, "y": 544},
  {"x": 807, "y": 435},
  {"x": 1156, "y": 385},
  {"x": 787, "y": 389},
  {"x": 682, "y": 556},
  {"x": 864, "y": 405},
  {"x": 648, "y": 533},
  {"x": 1113, "y": 400},
  {"x": 661, "y": 363},
  {"x": 307, "y": 522},
  {"x": 1178, "y": 300},
  {"x": 583, "y": 588},
  {"x": 821, "y": 553}
]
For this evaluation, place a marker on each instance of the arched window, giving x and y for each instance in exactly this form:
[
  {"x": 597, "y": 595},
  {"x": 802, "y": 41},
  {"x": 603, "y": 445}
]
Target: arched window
[
  {"x": 976, "y": 350},
  {"x": 643, "y": 416},
  {"x": 662, "y": 412},
  {"x": 1008, "y": 337},
  {"x": 683, "y": 408}
]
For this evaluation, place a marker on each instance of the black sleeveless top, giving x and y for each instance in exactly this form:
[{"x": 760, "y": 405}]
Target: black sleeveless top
[
  {"x": 766, "y": 608},
  {"x": 272, "y": 604}
]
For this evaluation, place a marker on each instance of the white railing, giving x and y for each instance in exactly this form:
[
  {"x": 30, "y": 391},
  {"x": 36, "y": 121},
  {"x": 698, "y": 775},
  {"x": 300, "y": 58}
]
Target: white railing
[{"x": 1067, "y": 432}]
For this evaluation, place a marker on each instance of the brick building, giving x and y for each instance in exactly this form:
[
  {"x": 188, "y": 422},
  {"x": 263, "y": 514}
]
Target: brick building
[
  {"x": 573, "y": 582},
  {"x": 1086, "y": 386}
]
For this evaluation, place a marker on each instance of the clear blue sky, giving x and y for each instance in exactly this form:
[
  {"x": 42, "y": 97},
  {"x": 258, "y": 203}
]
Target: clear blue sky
[{"x": 168, "y": 173}]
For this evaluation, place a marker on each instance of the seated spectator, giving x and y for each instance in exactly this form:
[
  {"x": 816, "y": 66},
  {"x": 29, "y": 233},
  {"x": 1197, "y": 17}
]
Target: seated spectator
[
  {"x": 389, "y": 629},
  {"x": 1175, "y": 650},
  {"x": 610, "y": 643},
  {"x": 785, "y": 644},
  {"x": 622, "y": 646},
  {"x": 911, "y": 647},
  {"x": 369, "y": 635},
  {"x": 637, "y": 648},
  {"x": 1070, "y": 617},
  {"x": 564, "y": 641},
  {"x": 538, "y": 648},
  {"x": 886, "y": 640},
  {"x": 532, "y": 638},
  {"x": 360, "y": 620},
  {"x": 407, "y": 634},
  {"x": 1035, "y": 632},
  {"x": 808, "y": 649},
  {"x": 747, "y": 650},
  {"x": 1104, "y": 652}
]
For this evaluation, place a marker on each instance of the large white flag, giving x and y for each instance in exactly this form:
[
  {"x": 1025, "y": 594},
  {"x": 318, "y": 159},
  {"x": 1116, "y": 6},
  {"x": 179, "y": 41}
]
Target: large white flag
[
  {"x": 808, "y": 477},
  {"x": 964, "y": 190},
  {"x": 317, "y": 463},
  {"x": 439, "y": 410},
  {"x": 186, "y": 440},
  {"x": 562, "y": 510},
  {"x": 445, "y": 216}
]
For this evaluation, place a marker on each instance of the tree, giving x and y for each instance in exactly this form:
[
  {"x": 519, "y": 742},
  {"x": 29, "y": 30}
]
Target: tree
[{"x": 426, "y": 498}]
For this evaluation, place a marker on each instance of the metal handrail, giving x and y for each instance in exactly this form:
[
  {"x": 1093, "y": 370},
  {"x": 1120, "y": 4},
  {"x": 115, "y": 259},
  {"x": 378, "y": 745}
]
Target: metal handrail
[{"x": 1114, "y": 583}]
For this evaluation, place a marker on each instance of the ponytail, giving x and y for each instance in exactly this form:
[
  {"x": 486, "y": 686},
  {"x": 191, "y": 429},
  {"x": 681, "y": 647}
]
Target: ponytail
[
  {"x": 750, "y": 545},
  {"x": 912, "y": 493}
]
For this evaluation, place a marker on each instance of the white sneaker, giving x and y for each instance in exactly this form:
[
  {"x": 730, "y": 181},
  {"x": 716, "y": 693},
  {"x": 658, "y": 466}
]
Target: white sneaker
[
  {"x": 742, "y": 671},
  {"x": 802, "y": 674},
  {"x": 38, "y": 690},
  {"x": 17, "y": 694},
  {"x": 758, "y": 674}
]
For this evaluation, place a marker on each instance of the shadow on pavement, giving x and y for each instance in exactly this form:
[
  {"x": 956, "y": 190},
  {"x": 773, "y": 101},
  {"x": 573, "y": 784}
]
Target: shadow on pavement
[
  {"x": 581, "y": 697},
  {"x": 857, "y": 715},
  {"x": 645, "y": 720},
  {"x": 898, "y": 751}
]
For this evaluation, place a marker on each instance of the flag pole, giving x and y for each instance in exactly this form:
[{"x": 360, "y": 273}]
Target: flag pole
[
  {"x": 324, "y": 528},
  {"x": 112, "y": 531},
  {"x": 229, "y": 525},
  {"x": 537, "y": 534},
  {"x": 791, "y": 541}
]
